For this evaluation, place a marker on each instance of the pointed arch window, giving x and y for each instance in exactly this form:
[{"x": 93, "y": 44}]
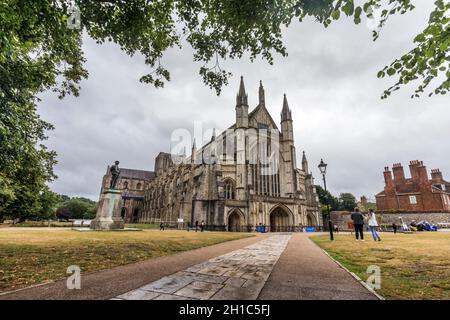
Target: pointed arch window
[{"x": 230, "y": 189}]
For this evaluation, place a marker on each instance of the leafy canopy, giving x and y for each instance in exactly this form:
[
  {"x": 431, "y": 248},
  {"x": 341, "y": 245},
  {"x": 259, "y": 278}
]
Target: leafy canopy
[{"x": 38, "y": 44}]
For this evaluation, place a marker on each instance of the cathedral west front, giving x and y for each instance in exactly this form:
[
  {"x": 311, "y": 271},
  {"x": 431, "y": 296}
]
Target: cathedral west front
[{"x": 244, "y": 177}]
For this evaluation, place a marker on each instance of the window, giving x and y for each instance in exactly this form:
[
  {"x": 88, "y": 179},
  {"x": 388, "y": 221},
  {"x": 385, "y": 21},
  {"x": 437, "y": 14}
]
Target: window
[
  {"x": 138, "y": 186},
  {"x": 412, "y": 200},
  {"x": 229, "y": 189},
  {"x": 125, "y": 185}
]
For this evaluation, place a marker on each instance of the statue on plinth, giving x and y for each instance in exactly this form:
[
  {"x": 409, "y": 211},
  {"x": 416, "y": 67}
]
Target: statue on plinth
[
  {"x": 108, "y": 215},
  {"x": 115, "y": 172}
]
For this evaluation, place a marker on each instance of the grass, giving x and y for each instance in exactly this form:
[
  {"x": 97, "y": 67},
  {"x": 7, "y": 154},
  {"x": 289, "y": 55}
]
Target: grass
[
  {"x": 142, "y": 225},
  {"x": 413, "y": 266},
  {"x": 37, "y": 256},
  {"x": 38, "y": 224}
]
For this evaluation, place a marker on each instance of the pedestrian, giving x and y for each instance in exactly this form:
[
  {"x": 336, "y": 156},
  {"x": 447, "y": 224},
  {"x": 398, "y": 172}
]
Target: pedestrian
[
  {"x": 196, "y": 225},
  {"x": 202, "y": 226},
  {"x": 161, "y": 226},
  {"x": 188, "y": 226},
  {"x": 373, "y": 225},
  {"x": 394, "y": 226},
  {"x": 358, "y": 222}
]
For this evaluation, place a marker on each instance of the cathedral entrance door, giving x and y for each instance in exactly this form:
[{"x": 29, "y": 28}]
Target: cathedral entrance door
[
  {"x": 234, "y": 222},
  {"x": 311, "y": 221},
  {"x": 279, "y": 220}
]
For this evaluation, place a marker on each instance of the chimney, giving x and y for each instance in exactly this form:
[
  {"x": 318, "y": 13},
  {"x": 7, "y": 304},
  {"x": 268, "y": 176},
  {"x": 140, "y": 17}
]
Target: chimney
[
  {"x": 399, "y": 174},
  {"x": 436, "y": 176},
  {"x": 422, "y": 173},
  {"x": 413, "y": 169},
  {"x": 387, "y": 177}
]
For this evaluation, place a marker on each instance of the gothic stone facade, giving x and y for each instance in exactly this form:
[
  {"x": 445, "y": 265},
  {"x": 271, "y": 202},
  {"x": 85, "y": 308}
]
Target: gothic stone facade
[
  {"x": 418, "y": 193},
  {"x": 239, "y": 183},
  {"x": 132, "y": 184}
]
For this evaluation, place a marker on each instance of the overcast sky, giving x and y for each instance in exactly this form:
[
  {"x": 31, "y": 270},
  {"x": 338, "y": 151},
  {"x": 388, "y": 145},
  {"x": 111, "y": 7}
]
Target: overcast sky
[{"x": 330, "y": 81}]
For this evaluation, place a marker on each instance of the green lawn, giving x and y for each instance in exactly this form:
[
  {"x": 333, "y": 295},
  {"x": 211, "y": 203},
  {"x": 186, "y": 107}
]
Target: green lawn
[
  {"x": 29, "y": 257},
  {"x": 413, "y": 266}
]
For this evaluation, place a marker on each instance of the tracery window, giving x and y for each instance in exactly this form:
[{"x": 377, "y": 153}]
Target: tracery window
[{"x": 229, "y": 189}]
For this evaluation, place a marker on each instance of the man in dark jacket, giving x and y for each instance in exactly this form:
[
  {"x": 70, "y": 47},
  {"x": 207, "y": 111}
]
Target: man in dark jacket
[{"x": 358, "y": 222}]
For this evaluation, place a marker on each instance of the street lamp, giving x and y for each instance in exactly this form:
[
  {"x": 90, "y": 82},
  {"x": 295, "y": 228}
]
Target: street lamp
[{"x": 323, "y": 170}]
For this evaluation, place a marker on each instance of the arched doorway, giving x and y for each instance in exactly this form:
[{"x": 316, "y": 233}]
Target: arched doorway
[
  {"x": 311, "y": 220},
  {"x": 135, "y": 215},
  {"x": 280, "y": 220},
  {"x": 235, "y": 221}
]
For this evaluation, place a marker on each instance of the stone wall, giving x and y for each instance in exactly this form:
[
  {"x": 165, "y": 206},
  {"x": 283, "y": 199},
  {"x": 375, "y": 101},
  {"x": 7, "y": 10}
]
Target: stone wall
[{"x": 341, "y": 218}]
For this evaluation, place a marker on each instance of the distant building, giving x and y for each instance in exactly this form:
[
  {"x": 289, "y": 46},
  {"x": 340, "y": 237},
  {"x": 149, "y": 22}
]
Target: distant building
[
  {"x": 417, "y": 193},
  {"x": 132, "y": 183}
]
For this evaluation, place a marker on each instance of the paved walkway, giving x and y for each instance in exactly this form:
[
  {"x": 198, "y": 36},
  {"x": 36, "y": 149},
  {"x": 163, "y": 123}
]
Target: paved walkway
[
  {"x": 305, "y": 272},
  {"x": 238, "y": 275}
]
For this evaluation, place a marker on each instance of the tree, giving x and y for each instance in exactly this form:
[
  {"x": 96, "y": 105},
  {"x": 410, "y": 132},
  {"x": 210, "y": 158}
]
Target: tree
[
  {"x": 326, "y": 198},
  {"x": 90, "y": 212},
  {"x": 77, "y": 208},
  {"x": 42, "y": 39},
  {"x": 347, "y": 202}
]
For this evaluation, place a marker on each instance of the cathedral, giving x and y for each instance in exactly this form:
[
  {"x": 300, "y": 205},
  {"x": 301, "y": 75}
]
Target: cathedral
[{"x": 244, "y": 177}]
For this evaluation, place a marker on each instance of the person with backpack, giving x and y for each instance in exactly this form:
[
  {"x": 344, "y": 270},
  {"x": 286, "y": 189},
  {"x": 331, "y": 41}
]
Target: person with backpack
[
  {"x": 373, "y": 225},
  {"x": 358, "y": 223}
]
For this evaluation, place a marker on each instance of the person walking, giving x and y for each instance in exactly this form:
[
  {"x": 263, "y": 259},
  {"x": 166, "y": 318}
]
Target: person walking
[
  {"x": 161, "y": 226},
  {"x": 188, "y": 226},
  {"x": 196, "y": 225},
  {"x": 394, "y": 226},
  {"x": 202, "y": 226},
  {"x": 358, "y": 223},
  {"x": 373, "y": 225}
]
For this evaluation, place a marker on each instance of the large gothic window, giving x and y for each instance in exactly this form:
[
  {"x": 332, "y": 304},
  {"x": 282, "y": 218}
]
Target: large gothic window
[{"x": 229, "y": 189}]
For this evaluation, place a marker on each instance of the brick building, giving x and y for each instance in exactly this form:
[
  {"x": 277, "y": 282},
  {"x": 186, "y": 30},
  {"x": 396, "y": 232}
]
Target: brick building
[{"x": 418, "y": 193}]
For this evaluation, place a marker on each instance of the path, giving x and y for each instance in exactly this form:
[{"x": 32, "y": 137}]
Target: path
[
  {"x": 305, "y": 272},
  {"x": 238, "y": 275}
]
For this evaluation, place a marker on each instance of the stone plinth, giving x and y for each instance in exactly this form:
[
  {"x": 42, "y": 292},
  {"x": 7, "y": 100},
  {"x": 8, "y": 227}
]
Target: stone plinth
[{"x": 108, "y": 212}]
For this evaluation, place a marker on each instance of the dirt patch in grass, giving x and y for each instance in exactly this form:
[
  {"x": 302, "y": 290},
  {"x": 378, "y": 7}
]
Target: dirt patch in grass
[
  {"x": 413, "y": 266},
  {"x": 29, "y": 257}
]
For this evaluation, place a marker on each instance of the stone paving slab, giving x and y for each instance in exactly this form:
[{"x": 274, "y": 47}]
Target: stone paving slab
[{"x": 240, "y": 274}]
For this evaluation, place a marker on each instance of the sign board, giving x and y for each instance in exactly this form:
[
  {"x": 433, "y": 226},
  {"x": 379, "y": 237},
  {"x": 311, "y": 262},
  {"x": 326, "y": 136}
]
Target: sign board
[
  {"x": 180, "y": 220},
  {"x": 310, "y": 229}
]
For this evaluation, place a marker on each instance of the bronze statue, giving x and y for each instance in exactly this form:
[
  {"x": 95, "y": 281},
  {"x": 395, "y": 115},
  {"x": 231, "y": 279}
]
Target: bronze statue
[{"x": 115, "y": 172}]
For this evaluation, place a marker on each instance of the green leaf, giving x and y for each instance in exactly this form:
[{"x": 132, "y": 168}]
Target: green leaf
[
  {"x": 390, "y": 71},
  {"x": 336, "y": 14}
]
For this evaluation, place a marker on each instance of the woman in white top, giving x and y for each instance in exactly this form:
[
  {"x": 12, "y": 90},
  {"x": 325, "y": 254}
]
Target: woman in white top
[{"x": 373, "y": 225}]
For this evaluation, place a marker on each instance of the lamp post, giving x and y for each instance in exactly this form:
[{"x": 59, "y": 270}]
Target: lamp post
[{"x": 323, "y": 170}]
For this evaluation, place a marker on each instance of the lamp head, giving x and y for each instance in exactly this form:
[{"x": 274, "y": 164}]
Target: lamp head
[{"x": 322, "y": 167}]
